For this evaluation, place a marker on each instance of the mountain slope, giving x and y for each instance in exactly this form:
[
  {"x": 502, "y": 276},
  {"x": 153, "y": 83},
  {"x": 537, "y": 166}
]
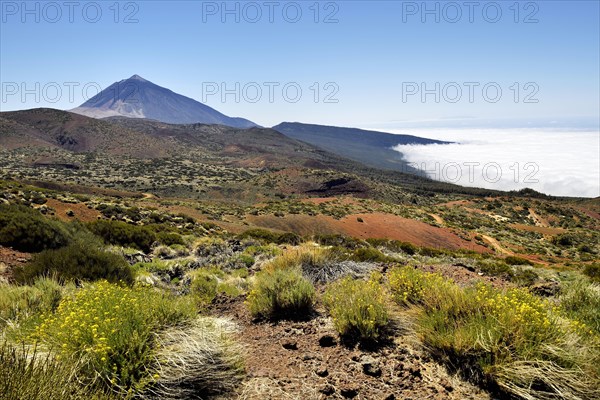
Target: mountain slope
[
  {"x": 369, "y": 147},
  {"x": 49, "y": 128},
  {"x": 138, "y": 98}
]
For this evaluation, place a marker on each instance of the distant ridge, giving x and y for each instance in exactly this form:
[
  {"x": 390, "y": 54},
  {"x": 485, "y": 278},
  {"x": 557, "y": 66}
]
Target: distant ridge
[
  {"x": 137, "y": 97},
  {"x": 369, "y": 147}
]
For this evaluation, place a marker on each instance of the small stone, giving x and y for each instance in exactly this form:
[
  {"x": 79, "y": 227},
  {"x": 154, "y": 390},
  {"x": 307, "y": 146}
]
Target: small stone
[
  {"x": 415, "y": 371},
  {"x": 370, "y": 366},
  {"x": 290, "y": 344},
  {"x": 349, "y": 392},
  {"x": 327, "y": 341},
  {"x": 390, "y": 396},
  {"x": 322, "y": 372},
  {"x": 446, "y": 385},
  {"x": 327, "y": 390},
  {"x": 70, "y": 213}
]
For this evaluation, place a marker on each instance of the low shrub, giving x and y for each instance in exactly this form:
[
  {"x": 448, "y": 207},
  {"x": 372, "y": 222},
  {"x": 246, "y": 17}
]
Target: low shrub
[
  {"x": 28, "y": 374},
  {"x": 514, "y": 260},
  {"x": 27, "y": 230},
  {"x": 263, "y": 235},
  {"x": 512, "y": 340},
  {"x": 112, "y": 330},
  {"x": 318, "y": 264},
  {"x": 22, "y": 302},
  {"x": 357, "y": 307},
  {"x": 267, "y": 236},
  {"x": 339, "y": 240},
  {"x": 123, "y": 234},
  {"x": 80, "y": 260},
  {"x": 431, "y": 252},
  {"x": 369, "y": 254},
  {"x": 170, "y": 239},
  {"x": 204, "y": 286},
  {"x": 524, "y": 276},
  {"x": 593, "y": 272},
  {"x": 247, "y": 260},
  {"x": 494, "y": 267},
  {"x": 580, "y": 300},
  {"x": 280, "y": 293}
]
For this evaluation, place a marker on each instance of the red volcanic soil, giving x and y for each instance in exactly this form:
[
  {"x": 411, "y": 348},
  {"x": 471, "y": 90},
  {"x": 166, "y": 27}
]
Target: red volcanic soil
[
  {"x": 82, "y": 213},
  {"x": 10, "y": 259},
  {"x": 376, "y": 225}
]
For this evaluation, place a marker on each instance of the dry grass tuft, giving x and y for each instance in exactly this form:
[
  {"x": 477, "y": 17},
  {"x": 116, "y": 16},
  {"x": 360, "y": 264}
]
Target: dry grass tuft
[{"x": 197, "y": 361}]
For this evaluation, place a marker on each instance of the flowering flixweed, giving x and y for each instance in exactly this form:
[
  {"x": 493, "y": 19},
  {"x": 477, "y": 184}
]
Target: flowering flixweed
[
  {"x": 357, "y": 307},
  {"x": 110, "y": 328}
]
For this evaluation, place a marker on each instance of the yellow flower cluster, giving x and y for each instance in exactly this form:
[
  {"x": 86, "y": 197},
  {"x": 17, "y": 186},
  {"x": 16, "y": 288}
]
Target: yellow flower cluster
[
  {"x": 409, "y": 285},
  {"x": 357, "y": 306},
  {"x": 518, "y": 310},
  {"x": 90, "y": 321}
]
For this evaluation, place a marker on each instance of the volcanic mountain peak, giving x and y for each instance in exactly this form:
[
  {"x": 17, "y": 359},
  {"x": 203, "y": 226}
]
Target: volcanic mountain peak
[{"x": 137, "y": 97}]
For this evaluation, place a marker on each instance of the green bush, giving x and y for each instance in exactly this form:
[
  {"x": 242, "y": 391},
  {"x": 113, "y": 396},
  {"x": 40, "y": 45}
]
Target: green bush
[
  {"x": 27, "y": 230},
  {"x": 357, "y": 307},
  {"x": 495, "y": 268},
  {"x": 369, "y": 254},
  {"x": 514, "y": 260},
  {"x": 247, "y": 260},
  {"x": 170, "y": 238},
  {"x": 204, "y": 287},
  {"x": 580, "y": 300},
  {"x": 260, "y": 234},
  {"x": 21, "y": 302},
  {"x": 123, "y": 234},
  {"x": 593, "y": 272},
  {"x": 80, "y": 260},
  {"x": 289, "y": 238},
  {"x": 280, "y": 293},
  {"x": 267, "y": 236}
]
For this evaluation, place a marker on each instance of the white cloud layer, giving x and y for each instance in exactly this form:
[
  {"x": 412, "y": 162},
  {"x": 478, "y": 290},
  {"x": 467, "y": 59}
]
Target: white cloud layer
[{"x": 556, "y": 162}]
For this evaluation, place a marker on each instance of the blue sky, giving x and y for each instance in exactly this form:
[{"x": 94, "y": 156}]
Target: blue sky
[{"x": 366, "y": 58}]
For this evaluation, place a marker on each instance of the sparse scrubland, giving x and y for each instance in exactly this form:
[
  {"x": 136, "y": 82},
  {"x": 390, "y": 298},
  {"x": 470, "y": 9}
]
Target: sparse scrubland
[{"x": 142, "y": 301}]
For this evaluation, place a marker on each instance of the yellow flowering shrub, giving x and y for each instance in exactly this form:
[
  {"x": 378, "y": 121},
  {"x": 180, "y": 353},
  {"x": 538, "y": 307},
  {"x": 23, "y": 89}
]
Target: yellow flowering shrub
[
  {"x": 357, "y": 307},
  {"x": 110, "y": 328},
  {"x": 522, "y": 343},
  {"x": 280, "y": 293}
]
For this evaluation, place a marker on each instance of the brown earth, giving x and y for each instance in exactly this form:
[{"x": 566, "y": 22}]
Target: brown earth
[
  {"x": 9, "y": 259},
  {"x": 306, "y": 360},
  {"x": 375, "y": 225},
  {"x": 539, "y": 229},
  {"x": 81, "y": 212}
]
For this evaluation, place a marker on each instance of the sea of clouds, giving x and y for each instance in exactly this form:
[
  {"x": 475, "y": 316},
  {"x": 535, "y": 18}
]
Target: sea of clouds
[{"x": 553, "y": 161}]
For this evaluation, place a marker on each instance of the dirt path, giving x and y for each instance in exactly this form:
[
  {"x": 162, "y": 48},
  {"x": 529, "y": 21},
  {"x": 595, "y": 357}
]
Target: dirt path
[
  {"x": 539, "y": 221},
  {"x": 497, "y": 246},
  {"x": 438, "y": 219}
]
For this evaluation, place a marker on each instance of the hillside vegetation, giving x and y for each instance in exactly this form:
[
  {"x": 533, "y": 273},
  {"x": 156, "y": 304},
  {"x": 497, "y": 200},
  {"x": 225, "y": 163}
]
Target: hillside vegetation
[{"x": 133, "y": 296}]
